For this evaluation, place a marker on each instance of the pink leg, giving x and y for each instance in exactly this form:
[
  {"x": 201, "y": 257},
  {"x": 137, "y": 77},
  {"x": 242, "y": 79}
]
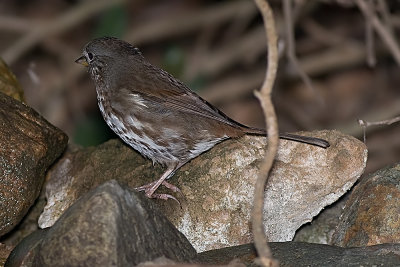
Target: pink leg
[
  {"x": 150, "y": 188},
  {"x": 153, "y": 188},
  {"x": 144, "y": 187},
  {"x": 165, "y": 183},
  {"x": 171, "y": 187}
]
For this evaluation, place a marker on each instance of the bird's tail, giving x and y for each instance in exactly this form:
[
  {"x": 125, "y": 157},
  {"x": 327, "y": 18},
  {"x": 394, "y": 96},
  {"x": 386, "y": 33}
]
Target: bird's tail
[{"x": 293, "y": 137}]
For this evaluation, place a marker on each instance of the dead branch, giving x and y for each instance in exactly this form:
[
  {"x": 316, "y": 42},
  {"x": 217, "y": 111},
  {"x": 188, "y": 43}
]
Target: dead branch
[
  {"x": 365, "y": 124},
  {"x": 336, "y": 57},
  {"x": 63, "y": 23},
  {"x": 370, "y": 40},
  {"x": 388, "y": 111},
  {"x": 264, "y": 96},
  {"x": 290, "y": 49},
  {"x": 380, "y": 28},
  {"x": 214, "y": 62},
  {"x": 178, "y": 25},
  {"x": 15, "y": 24},
  {"x": 383, "y": 9},
  {"x": 233, "y": 87}
]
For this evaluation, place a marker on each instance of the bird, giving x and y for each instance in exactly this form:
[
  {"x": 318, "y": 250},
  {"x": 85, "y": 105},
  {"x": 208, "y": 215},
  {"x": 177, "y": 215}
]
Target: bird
[{"x": 155, "y": 113}]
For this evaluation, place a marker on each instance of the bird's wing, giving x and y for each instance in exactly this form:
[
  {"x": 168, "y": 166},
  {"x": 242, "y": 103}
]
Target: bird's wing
[
  {"x": 186, "y": 101},
  {"x": 156, "y": 88}
]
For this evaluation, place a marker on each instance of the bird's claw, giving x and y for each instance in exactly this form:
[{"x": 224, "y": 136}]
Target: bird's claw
[
  {"x": 163, "y": 197},
  {"x": 149, "y": 191}
]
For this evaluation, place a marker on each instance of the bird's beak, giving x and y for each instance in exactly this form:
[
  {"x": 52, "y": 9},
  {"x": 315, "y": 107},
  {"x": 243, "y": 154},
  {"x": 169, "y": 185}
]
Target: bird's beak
[{"x": 82, "y": 61}]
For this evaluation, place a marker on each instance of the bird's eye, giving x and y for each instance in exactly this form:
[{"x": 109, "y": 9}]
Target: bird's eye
[{"x": 90, "y": 56}]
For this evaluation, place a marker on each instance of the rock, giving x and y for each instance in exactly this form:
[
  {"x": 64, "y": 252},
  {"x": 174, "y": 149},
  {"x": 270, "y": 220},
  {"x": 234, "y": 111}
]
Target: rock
[
  {"x": 322, "y": 227},
  {"x": 372, "y": 212},
  {"x": 28, "y": 224},
  {"x": 80, "y": 170},
  {"x": 22, "y": 254},
  {"x": 109, "y": 226},
  {"x": 4, "y": 252},
  {"x": 28, "y": 146},
  {"x": 298, "y": 254},
  {"x": 305, "y": 179},
  {"x": 218, "y": 185},
  {"x": 9, "y": 84},
  {"x": 167, "y": 262}
]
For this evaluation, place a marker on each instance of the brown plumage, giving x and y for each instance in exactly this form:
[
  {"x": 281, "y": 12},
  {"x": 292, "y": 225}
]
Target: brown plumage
[{"x": 155, "y": 113}]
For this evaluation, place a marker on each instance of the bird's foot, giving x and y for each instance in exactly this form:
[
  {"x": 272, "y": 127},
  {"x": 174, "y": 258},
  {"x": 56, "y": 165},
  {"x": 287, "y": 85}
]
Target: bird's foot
[
  {"x": 149, "y": 190},
  {"x": 145, "y": 187},
  {"x": 171, "y": 187},
  {"x": 164, "y": 183},
  {"x": 163, "y": 197}
]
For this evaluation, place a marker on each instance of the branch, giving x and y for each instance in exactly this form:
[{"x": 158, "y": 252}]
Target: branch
[
  {"x": 264, "y": 96},
  {"x": 171, "y": 26},
  {"x": 365, "y": 124},
  {"x": 383, "y": 32},
  {"x": 11, "y": 23},
  {"x": 370, "y": 40},
  {"x": 63, "y": 23},
  {"x": 291, "y": 48}
]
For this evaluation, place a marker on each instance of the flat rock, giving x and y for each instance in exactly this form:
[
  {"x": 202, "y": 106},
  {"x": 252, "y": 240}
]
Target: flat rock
[
  {"x": 108, "y": 226},
  {"x": 321, "y": 229},
  {"x": 299, "y": 254},
  {"x": 372, "y": 213},
  {"x": 305, "y": 179},
  {"x": 28, "y": 146},
  {"x": 218, "y": 185}
]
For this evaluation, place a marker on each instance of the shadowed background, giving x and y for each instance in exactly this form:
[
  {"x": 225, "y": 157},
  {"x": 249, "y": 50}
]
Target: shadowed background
[{"x": 218, "y": 49}]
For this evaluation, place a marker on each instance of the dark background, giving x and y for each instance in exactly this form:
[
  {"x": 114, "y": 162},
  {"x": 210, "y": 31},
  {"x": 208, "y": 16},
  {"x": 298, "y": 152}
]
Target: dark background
[{"x": 218, "y": 48}]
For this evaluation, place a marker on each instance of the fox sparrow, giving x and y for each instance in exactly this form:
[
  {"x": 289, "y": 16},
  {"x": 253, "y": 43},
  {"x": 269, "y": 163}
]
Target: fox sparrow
[{"x": 155, "y": 113}]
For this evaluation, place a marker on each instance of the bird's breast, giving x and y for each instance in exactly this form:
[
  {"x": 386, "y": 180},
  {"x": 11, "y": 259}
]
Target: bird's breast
[{"x": 135, "y": 133}]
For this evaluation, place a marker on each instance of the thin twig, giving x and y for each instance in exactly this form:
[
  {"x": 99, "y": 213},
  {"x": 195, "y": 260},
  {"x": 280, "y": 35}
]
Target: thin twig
[
  {"x": 351, "y": 128},
  {"x": 15, "y": 24},
  {"x": 386, "y": 16},
  {"x": 383, "y": 32},
  {"x": 264, "y": 96},
  {"x": 365, "y": 124},
  {"x": 152, "y": 31},
  {"x": 63, "y": 23},
  {"x": 233, "y": 87},
  {"x": 321, "y": 34},
  {"x": 290, "y": 49},
  {"x": 217, "y": 60},
  {"x": 370, "y": 40},
  {"x": 347, "y": 54}
]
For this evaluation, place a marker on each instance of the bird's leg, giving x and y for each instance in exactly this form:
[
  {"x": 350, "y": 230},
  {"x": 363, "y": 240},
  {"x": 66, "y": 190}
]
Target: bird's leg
[
  {"x": 150, "y": 188},
  {"x": 171, "y": 187},
  {"x": 150, "y": 191},
  {"x": 165, "y": 183}
]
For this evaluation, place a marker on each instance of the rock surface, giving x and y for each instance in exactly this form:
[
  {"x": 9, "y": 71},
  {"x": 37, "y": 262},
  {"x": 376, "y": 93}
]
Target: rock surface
[
  {"x": 372, "y": 212},
  {"x": 109, "y": 226},
  {"x": 4, "y": 252},
  {"x": 306, "y": 179},
  {"x": 80, "y": 170},
  {"x": 299, "y": 254},
  {"x": 218, "y": 185},
  {"x": 28, "y": 146},
  {"x": 321, "y": 229},
  {"x": 9, "y": 84}
]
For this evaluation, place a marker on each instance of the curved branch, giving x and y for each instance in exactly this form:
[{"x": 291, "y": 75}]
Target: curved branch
[{"x": 264, "y": 96}]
